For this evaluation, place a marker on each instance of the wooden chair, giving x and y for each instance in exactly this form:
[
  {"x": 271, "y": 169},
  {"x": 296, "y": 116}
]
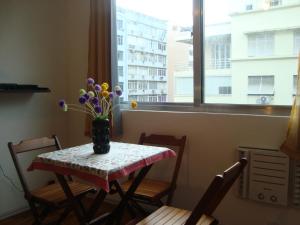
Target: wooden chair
[
  {"x": 202, "y": 213},
  {"x": 152, "y": 191},
  {"x": 50, "y": 197}
]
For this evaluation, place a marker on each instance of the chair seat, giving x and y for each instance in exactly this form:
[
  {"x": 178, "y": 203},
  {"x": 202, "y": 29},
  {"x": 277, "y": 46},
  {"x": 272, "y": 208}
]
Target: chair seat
[
  {"x": 148, "y": 188},
  {"x": 54, "y": 193},
  {"x": 173, "y": 216}
]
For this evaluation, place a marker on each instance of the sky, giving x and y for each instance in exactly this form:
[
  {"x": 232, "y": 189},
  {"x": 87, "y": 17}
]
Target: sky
[{"x": 179, "y": 12}]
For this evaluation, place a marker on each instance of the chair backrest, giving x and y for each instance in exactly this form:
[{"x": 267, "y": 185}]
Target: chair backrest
[
  {"x": 170, "y": 141},
  {"x": 216, "y": 192},
  {"x": 27, "y": 146}
]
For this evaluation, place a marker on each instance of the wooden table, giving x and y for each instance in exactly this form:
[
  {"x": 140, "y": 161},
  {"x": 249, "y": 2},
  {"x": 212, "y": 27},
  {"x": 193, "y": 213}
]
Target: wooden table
[{"x": 103, "y": 171}]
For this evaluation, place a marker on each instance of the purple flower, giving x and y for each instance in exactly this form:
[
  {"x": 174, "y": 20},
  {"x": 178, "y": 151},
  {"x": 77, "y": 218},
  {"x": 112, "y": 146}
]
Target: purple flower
[
  {"x": 111, "y": 95},
  {"x": 119, "y": 92},
  {"x": 95, "y": 101},
  {"x": 61, "y": 103},
  {"x": 90, "y": 81},
  {"x": 86, "y": 96},
  {"x": 82, "y": 100},
  {"x": 98, "y": 109},
  {"x": 97, "y": 88}
]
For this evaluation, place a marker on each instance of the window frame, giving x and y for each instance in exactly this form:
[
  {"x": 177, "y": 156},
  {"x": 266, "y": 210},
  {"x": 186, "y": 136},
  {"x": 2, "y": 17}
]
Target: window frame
[{"x": 198, "y": 104}]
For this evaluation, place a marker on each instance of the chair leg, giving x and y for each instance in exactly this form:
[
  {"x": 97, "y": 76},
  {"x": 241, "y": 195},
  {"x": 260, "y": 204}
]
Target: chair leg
[
  {"x": 64, "y": 215},
  {"x": 170, "y": 198},
  {"x": 35, "y": 213}
]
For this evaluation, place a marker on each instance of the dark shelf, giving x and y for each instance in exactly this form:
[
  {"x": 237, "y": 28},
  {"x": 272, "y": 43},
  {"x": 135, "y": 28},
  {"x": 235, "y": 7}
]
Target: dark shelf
[{"x": 22, "y": 88}]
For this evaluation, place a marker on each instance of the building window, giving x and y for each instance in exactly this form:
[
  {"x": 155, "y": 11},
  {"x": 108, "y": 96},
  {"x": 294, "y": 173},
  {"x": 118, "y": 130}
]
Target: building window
[
  {"x": 120, "y": 40},
  {"x": 260, "y": 44},
  {"x": 152, "y": 98},
  {"x": 119, "y": 24},
  {"x": 132, "y": 85},
  {"x": 152, "y": 85},
  {"x": 217, "y": 85},
  {"x": 220, "y": 55},
  {"x": 143, "y": 85},
  {"x": 142, "y": 98},
  {"x": 297, "y": 42},
  {"x": 120, "y": 71},
  {"x": 161, "y": 72},
  {"x": 260, "y": 85},
  {"x": 275, "y": 3},
  {"x": 162, "y": 98},
  {"x": 120, "y": 56}
]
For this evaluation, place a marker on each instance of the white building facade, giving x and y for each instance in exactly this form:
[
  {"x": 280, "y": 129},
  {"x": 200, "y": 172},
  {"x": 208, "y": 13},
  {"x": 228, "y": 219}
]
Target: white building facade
[
  {"x": 142, "y": 56},
  {"x": 252, "y": 59}
]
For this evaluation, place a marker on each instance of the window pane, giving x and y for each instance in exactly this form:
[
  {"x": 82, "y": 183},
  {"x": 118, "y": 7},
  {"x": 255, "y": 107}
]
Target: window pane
[
  {"x": 155, "y": 50},
  {"x": 250, "y": 51}
]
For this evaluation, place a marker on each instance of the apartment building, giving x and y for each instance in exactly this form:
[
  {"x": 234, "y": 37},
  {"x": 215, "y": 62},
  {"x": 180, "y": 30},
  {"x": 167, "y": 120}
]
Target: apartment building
[
  {"x": 250, "y": 59},
  {"x": 142, "y": 56}
]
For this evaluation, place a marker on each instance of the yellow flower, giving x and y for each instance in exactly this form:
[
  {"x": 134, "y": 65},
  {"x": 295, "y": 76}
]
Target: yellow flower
[
  {"x": 105, "y": 94},
  {"x": 134, "y": 104},
  {"x": 104, "y": 86}
]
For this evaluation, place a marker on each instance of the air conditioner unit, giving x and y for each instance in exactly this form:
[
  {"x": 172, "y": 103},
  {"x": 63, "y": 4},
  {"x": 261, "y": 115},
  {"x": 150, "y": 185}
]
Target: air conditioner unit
[
  {"x": 266, "y": 177},
  {"x": 264, "y": 100}
]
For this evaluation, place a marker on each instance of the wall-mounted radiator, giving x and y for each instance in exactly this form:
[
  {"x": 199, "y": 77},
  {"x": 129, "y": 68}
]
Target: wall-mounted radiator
[{"x": 270, "y": 177}]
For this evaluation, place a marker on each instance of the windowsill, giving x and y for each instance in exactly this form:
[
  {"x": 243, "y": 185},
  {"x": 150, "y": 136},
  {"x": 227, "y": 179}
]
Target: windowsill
[
  {"x": 252, "y": 58},
  {"x": 269, "y": 110},
  {"x": 259, "y": 94}
]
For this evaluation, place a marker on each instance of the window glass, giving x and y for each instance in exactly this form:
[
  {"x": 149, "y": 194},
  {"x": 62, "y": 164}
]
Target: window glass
[
  {"x": 155, "y": 48},
  {"x": 250, "y": 49},
  {"x": 260, "y": 44}
]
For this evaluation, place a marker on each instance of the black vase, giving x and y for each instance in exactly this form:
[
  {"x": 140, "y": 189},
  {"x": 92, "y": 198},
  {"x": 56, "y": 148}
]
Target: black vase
[{"x": 100, "y": 136}]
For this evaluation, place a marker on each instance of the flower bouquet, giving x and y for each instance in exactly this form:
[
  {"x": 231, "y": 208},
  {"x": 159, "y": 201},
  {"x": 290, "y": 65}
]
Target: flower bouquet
[{"x": 97, "y": 102}]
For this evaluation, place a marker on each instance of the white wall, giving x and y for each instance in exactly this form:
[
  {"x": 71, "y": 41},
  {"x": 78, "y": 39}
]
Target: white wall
[{"x": 31, "y": 52}]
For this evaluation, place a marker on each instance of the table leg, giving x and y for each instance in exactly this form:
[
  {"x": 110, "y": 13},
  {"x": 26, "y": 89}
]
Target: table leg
[
  {"x": 117, "y": 214},
  {"x": 71, "y": 199},
  {"x": 96, "y": 204}
]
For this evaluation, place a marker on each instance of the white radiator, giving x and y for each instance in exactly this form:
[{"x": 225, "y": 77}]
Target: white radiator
[{"x": 266, "y": 177}]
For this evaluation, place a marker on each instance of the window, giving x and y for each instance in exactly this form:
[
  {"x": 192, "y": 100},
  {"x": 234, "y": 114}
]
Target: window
[
  {"x": 119, "y": 24},
  {"x": 220, "y": 48},
  {"x": 152, "y": 85},
  {"x": 239, "y": 52},
  {"x": 162, "y": 98},
  {"x": 260, "y": 44},
  {"x": 120, "y": 40},
  {"x": 275, "y": 3},
  {"x": 132, "y": 85},
  {"x": 120, "y": 56},
  {"x": 217, "y": 85},
  {"x": 261, "y": 85},
  {"x": 143, "y": 85},
  {"x": 153, "y": 98},
  {"x": 297, "y": 42},
  {"x": 120, "y": 71}
]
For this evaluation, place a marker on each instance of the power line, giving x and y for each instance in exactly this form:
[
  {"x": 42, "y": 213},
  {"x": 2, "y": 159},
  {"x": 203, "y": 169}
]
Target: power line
[{"x": 9, "y": 180}]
